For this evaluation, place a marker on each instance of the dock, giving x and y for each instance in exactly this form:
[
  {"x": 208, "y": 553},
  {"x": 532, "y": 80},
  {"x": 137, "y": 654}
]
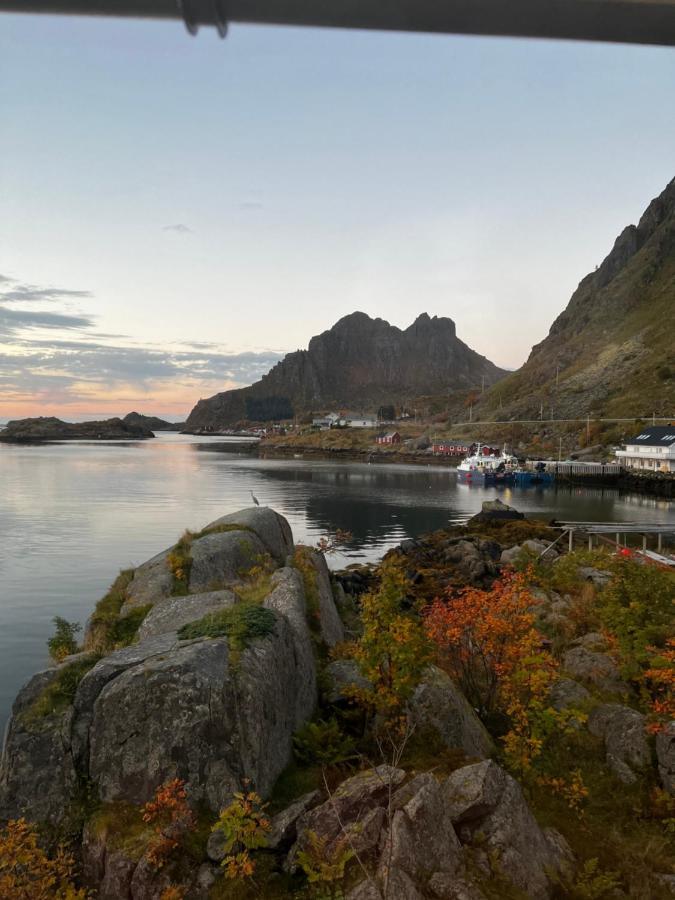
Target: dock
[{"x": 615, "y": 534}]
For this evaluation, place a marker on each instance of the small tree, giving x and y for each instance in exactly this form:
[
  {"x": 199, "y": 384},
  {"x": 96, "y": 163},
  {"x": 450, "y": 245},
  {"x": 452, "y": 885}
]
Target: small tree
[
  {"x": 393, "y": 650},
  {"x": 170, "y": 814},
  {"x": 63, "y": 643},
  {"x": 244, "y": 827}
]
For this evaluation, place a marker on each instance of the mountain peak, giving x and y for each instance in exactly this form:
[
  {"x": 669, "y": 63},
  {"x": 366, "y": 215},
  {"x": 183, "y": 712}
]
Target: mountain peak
[{"x": 359, "y": 362}]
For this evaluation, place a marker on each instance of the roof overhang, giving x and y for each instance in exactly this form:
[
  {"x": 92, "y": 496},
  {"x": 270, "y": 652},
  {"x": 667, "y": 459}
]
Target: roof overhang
[{"x": 625, "y": 21}]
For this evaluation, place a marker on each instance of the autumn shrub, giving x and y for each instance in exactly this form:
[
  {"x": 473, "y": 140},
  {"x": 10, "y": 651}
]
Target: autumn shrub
[
  {"x": 172, "y": 819},
  {"x": 487, "y": 641},
  {"x": 63, "y": 642},
  {"x": 244, "y": 826},
  {"x": 393, "y": 650},
  {"x": 324, "y": 862},
  {"x": 28, "y": 872},
  {"x": 332, "y": 543}
]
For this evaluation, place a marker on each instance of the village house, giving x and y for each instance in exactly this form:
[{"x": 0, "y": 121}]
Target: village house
[
  {"x": 446, "y": 448},
  {"x": 392, "y": 437},
  {"x": 652, "y": 450}
]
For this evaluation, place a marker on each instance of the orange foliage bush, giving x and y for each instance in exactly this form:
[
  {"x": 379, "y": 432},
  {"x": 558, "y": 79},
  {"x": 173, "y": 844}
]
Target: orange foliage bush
[
  {"x": 28, "y": 873},
  {"x": 483, "y": 636},
  {"x": 487, "y": 642},
  {"x": 172, "y": 818}
]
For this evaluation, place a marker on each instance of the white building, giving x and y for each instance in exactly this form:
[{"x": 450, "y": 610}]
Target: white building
[
  {"x": 651, "y": 450},
  {"x": 359, "y": 420},
  {"x": 330, "y": 420}
]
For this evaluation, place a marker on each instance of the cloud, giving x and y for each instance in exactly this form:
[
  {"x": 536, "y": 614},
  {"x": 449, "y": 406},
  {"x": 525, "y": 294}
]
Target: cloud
[
  {"x": 251, "y": 205},
  {"x": 179, "y": 228},
  {"x": 13, "y": 321},
  {"x": 5, "y": 279},
  {"x": 51, "y": 358},
  {"x": 29, "y": 293}
]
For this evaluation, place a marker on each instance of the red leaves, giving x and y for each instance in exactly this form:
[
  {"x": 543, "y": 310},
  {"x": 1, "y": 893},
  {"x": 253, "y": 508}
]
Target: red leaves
[{"x": 172, "y": 817}]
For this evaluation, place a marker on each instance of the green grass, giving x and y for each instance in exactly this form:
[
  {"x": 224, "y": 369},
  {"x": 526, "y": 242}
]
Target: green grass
[
  {"x": 253, "y": 592},
  {"x": 240, "y": 624},
  {"x": 60, "y": 692},
  {"x": 101, "y": 632},
  {"x": 617, "y": 827}
]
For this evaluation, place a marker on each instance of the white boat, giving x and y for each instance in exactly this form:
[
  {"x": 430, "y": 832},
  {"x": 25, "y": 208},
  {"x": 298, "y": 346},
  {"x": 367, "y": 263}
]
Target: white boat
[{"x": 482, "y": 467}]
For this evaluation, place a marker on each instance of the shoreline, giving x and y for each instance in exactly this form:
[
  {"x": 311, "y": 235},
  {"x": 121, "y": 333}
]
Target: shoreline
[{"x": 627, "y": 482}]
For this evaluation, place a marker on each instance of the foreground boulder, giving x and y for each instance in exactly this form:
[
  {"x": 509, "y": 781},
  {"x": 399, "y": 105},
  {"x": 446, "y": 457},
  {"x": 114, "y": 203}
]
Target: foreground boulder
[
  {"x": 415, "y": 837},
  {"x": 205, "y": 708},
  {"x": 489, "y": 811},
  {"x": 596, "y": 669},
  {"x": 623, "y": 731},
  {"x": 438, "y": 704},
  {"x": 219, "y": 555}
]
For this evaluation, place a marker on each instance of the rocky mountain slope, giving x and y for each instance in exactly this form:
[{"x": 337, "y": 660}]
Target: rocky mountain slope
[
  {"x": 612, "y": 350},
  {"x": 359, "y": 362}
]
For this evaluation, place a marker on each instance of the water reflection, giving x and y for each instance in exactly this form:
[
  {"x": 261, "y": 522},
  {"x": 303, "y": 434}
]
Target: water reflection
[{"x": 73, "y": 514}]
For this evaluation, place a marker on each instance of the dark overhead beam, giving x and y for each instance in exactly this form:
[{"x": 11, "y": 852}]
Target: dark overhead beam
[{"x": 625, "y": 21}]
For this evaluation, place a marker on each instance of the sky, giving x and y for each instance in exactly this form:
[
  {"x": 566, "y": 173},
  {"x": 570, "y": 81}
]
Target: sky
[{"x": 176, "y": 213}]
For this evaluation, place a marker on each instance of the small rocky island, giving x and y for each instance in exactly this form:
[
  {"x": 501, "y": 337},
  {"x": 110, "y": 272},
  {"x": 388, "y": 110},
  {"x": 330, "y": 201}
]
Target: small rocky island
[
  {"x": 151, "y": 423},
  {"x": 472, "y": 719},
  {"x": 49, "y": 428}
]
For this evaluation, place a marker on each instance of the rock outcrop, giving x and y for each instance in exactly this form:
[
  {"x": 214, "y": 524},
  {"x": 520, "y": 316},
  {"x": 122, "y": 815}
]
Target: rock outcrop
[
  {"x": 487, "y": 807},
  {"x": 422, "y": 837},
  {"x": 358, "y": 362},
  {"x": 623, "y": 731},
  {"x": 596, "y": 669},
  {"x": 49, "y": 428},
  {"x": 203, "y": 709},
  {"x": 151, "y": 423}
]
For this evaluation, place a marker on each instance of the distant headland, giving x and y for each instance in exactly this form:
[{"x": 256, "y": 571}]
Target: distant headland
[{"x": 133, "y": 426}]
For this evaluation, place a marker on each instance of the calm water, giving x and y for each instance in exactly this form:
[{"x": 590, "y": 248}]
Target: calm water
[{"x": 72, "y": 515}]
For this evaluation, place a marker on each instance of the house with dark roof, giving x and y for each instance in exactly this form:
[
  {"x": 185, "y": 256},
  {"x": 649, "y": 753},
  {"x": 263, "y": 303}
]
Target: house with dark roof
[{"x": 652, "y": 450}]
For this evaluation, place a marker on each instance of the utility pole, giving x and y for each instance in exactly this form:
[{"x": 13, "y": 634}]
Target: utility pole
[
  {"x": 653, "y": 418},
  {"x": 471, "y": 413},
  {"x": 560, "y": 450},
  {"x": 541, "y": 411},
  {"x": 588, "y": 430},
  {"x": 557, "y": 373}
]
